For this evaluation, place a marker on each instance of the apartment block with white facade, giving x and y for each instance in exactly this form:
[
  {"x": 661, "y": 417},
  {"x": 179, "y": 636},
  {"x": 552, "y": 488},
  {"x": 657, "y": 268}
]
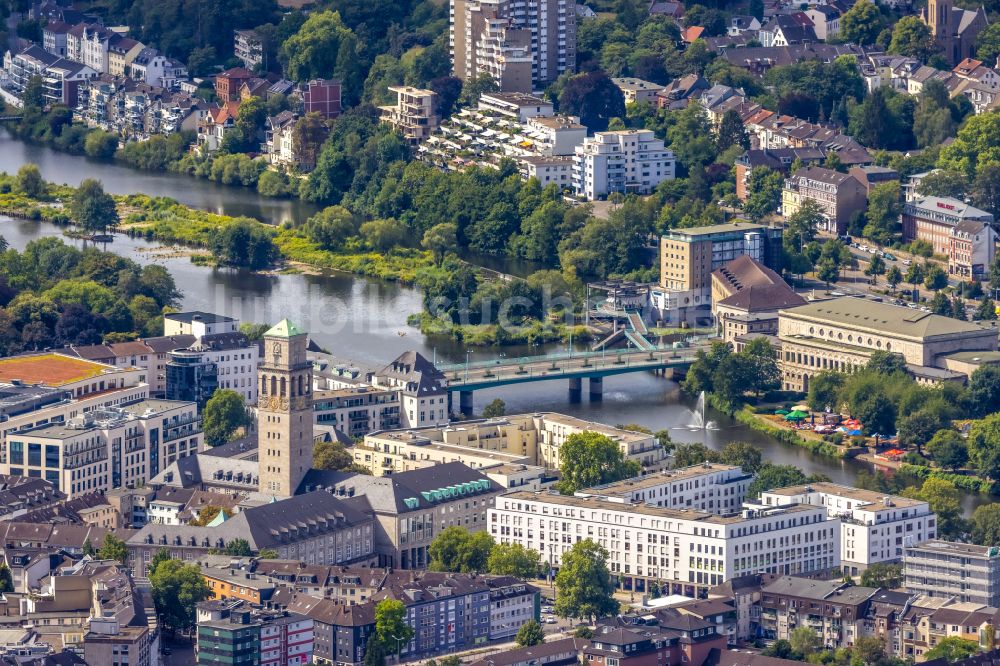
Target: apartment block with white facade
[
  {"x": 874, "y": 527},
  {"x": 621, "y": 161},
  {"x": 686, "y": 549},
  {"x": 711, "y": 487}
]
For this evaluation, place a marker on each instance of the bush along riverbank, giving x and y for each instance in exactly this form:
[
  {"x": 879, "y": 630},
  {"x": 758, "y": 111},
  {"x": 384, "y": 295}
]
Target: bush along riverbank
[
  {"x": 965, "y": 482},
  {"x": 460, "y": 300},
  {"x": 750, "y": 418}
]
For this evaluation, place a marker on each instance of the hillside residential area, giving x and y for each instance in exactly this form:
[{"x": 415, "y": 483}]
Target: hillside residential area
[{"x": 499, "y": 332}]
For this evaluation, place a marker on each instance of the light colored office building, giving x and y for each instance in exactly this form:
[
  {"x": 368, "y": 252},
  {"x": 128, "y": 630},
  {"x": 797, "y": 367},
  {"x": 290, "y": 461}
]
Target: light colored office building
[
  {"x": 874, "y": 527},
  {"x": 843, "y": 333},
  {"x": 106, "y": 449},
  {"x": 522, "y": 439},
  {"x": 686, "y": 550},
  {"x": 522, "y": 44},
  {"x": 839, "y": 196},
  {"x": 198, "y": 324},
  {"x": 622, "y": 161},
  {"x": 689, "y": 256},
  {"x": 964, "y": 572}
]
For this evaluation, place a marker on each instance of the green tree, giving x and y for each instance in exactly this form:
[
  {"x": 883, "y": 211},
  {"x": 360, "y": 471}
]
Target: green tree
[
  {"x": 985, "y": 525},
  {"x": 29, "y": 181},
  {"x": 742, "y": 454},
  {"x": 912, "y": 37},
  {"x": 6, "y": 579},
  {"x": 441, "y": 239},
  {"x": 986, "y": 189},
  {"x": 159, "y": 557},
  {"x": 800, "y": 230},
  {"x": 804, "y": 640},
  {"x": 497, "y": 407},
  {"x": 593, "y": 97},
  {"x": 176, "y": 588},
  {"x": 760, "y": 365},
  {"x": 883, "y": 574},
  {"x": 92, "y": 208},
  {"x": 584, "y": 588},
  {"x": 113, "y": 548},
  {"x": 944, "y": 183},
  {"x": 383, "y": 235},
  {"x": 774, "y": 476},
  {"x": 238, "y": 548},
  {"x": 827, "y": 271},
  {"x": 988, "y": 43},
  {"x": 984, "y": 446},
  {"x": 308, "y": 136},
  {"x": 976, "y": 145},
  {"x": 893, "y": 277},
  {"x": 875, "y": 268},
  {"x": 824, "y": 389},
  {"x": 861, "y": 24},
  {"x": 732, "y": 132},
  {"x": 589, "y": 459},
  {"x": 512, "y": 559},
  {"x": 886, "y": 363},
  {"x": 224, "y": 414},
  {"x": 987, "y": 310},
  {"x": 983, "y": 394},
  {"x": 943, "y": 499},
  {"x": 332, "y": 455},
  {"x": 391, "y": 630},
  {"x": 530, "y": 634},
  {"x": 322, "y": 47},
  {"x": 458, "y": 550},
  {"x": 764, "y": 192},
  {"x": 935, "y": 278},
  {"x": 884, "y": 209},
  {"x": 947, "y": 449},
  {"x": 374, "y": 652},
  {"x": 877, "y": 414},
  {"x": 331, "y": 227},
  {"x": 918, "y": 427},
  {"x": 245, "y": 243},
  {"x": 952, "y": 648}
]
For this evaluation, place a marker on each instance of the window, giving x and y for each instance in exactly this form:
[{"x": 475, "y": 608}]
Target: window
[{"x": 35, "y": 455}]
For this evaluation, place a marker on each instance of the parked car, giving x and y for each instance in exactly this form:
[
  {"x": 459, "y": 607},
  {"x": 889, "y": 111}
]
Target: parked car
[
  {"x": 888, "y": 257},
  {"x": 907, "y": 262}
]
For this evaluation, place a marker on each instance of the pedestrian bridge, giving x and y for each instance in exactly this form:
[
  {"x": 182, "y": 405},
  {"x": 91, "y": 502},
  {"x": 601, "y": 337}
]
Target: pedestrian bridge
[{"x": 465, "y": 378}]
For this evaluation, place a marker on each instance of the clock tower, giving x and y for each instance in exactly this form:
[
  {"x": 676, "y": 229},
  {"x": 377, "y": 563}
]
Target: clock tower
[{"x": 284, "y": 410}]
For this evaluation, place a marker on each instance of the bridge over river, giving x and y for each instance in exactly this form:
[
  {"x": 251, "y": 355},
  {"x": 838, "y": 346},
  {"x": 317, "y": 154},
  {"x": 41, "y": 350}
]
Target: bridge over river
[{"x": 465, "y": 378}]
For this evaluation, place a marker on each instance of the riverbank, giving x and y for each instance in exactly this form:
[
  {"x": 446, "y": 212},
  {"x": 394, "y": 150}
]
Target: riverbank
[
  {"x": 191, "y": 232},
  {"x": 810, "y": 441}
]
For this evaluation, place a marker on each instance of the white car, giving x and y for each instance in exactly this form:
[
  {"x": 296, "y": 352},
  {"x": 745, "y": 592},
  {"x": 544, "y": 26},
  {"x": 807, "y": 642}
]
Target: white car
[
  {"x": 872, "y": 250},
  {"x": 550, "y": 620},
  {"x": 907, "y": 262}
]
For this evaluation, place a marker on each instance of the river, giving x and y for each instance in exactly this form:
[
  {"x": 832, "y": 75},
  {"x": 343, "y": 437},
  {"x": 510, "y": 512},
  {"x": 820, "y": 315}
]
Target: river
[{"x": 363, "y": 321}]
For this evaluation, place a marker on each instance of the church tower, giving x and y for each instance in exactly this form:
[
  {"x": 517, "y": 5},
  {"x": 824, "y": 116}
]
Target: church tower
[
  {"x": 938, "y": 19},
  {"x": 284, "y": 410}
]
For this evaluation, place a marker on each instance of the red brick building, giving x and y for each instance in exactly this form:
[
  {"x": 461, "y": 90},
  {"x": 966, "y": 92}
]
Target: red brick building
[
  {"x": 322, "y": 96},
  {"x": 229, "y": 82}
]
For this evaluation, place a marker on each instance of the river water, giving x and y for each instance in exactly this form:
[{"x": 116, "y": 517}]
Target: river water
[{"x": 363, "y": 321}]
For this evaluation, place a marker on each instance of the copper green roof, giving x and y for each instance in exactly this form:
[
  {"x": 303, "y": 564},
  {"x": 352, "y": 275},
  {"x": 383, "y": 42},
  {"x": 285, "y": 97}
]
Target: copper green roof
[{"x": 284, "y": 329}]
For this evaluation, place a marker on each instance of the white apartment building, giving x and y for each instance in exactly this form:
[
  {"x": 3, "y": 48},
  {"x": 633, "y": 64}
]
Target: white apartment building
[
  {"x": 423, "y": 390},
  {"x": 106, "y": 449},
  {"x": 621, "y": 161},
  {"x": 688, "y": 549},
  {"x": 874, "y": 527},
  {"x": 711, "y": 487}
]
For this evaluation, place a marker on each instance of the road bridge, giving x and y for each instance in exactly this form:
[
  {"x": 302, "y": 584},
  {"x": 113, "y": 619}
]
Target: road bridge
[{"x": 465, "y": 378}]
